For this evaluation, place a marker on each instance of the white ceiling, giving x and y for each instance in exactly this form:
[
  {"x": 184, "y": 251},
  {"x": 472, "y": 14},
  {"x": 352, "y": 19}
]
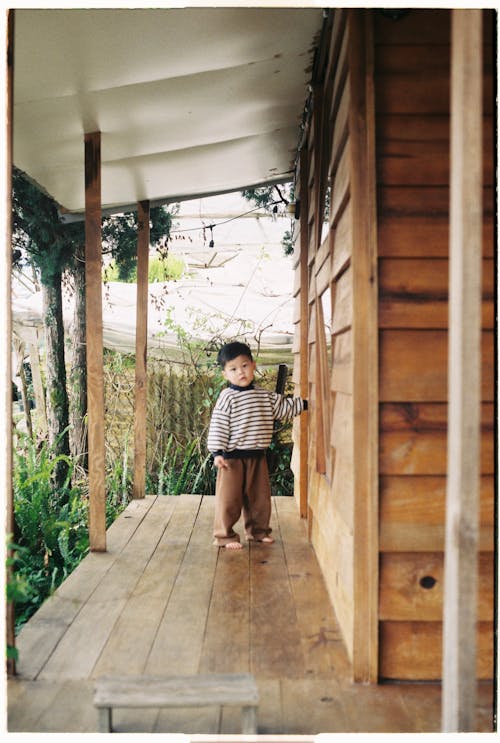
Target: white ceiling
[{"x": 189, "y": 101}]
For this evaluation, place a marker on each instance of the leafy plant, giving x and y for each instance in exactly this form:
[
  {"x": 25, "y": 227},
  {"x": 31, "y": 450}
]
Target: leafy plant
[
  {"x": 163, "y": 268},
  {"x": 51, "y": 527},
  {"x": 280, "y": 474},
  {"x": 184, "y": 469},
  {"x": 119, "y": 483}
]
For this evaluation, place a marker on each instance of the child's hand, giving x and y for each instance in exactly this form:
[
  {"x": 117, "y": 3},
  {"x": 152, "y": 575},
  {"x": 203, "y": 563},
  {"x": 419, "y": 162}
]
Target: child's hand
[{"x": 220, "y": 462}]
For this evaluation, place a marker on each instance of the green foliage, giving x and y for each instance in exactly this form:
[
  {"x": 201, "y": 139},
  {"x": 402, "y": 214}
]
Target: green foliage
[
  {"x": 268, "y": 197},
  {"x": 280, "y": 474},
  {"x": 119, "y": 483},
  {"x": 37, "y": 230},
  {"x": 275, "y": 200},
  {"x": 183, "y": 469},
  {"x": 51, "y": 527},
  {"x": 261, "y": 196},
  {"x": 12, "y": 653},
  {"x": 51, "y": 244},
  {"x": 287, "y": 242},
  {"x": 119, "y": 234},
  {"x": 169, "y": 268},
  {"x": 164, "y": 268}
]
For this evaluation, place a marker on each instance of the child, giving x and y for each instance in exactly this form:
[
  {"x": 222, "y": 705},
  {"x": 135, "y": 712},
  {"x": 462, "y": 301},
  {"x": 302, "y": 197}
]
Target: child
[{"x": 240, "y": 431}]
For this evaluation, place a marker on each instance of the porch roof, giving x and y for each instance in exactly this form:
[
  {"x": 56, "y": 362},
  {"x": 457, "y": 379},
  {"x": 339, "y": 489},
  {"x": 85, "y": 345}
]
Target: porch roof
[{"x": 189, "y": 102}]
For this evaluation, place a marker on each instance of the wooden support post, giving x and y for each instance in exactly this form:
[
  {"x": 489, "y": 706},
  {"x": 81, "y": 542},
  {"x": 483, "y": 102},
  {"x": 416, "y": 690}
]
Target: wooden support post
[
  {"x": 304, "y": 333},
  {"x": 6, "y": 442},
  {"x": 364, "y": 346},
  {"x": 464, "y": 375},
  {"x": 95, "y": 373},
  {"x": 141, "y": 343},
  {"x": 248, "y": 720}
]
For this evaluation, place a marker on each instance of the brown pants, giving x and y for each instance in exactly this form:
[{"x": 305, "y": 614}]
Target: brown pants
[{"x": 244, "y": 486}]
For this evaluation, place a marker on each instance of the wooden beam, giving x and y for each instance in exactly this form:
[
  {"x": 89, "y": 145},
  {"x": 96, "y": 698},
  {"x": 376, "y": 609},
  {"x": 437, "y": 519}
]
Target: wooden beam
[
  {"x": 304, "y": 333},
  {"x": 365, "y": 349},
  {"x": 6, "y": 444},
  {"x": 141, "y": 343},
  {"x": 464, "y": 375},
  {"x": 95, "y": 374}
]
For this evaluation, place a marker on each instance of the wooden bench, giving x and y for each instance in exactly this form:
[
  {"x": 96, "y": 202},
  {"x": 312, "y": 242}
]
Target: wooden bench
[{"x": 225, "y": 690}]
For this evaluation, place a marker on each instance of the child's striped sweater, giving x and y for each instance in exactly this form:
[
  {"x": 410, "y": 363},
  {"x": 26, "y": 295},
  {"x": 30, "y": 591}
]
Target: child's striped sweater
[{"x": 243, "y": 417}]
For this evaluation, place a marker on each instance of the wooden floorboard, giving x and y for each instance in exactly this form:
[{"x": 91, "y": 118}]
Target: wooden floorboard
[
  {"x": 41, "y": 635},
  {"x": 177, "y": 646},
  {"x": 229, "y": 616},
  {"x": 164, "y": 600},
  {"x": 129, "y": 645},
  {"x": 320, "y": 636},
  {"x": 275, "y": 646},
  {"x": 79, "y": 649}
]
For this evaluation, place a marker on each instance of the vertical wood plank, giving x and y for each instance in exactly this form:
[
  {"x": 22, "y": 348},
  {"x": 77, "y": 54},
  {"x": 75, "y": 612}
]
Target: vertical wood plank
[
  {"x": 365, "y": 352},
  {"x": 464, "y": 374},
  {"x": 141, "y": 348},
  {"x": 95, "y": 377},
  {"x": 304, "y": 333},
  {"x": 6, "y": 444},
  {"x": 322, "y": 401},
  {"x": 321, "y": 160}
]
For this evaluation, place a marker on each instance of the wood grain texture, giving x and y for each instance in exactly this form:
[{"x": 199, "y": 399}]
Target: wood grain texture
[
  {"x": 179, "y": 639},
  {"x": 231, "y": 599},
  {"x": 413, "y": 293},
  {"x": 128, "y": 646},
  {"x": 424, "y": 201},
  {"x": 411, "y": 586},
  {"x": 323, "y": 649},
  {"x": 302, "y": 271},
  {"x": 7, "y": 422},
  {"x": 414, "y": 365},
  {"x": 364, "y": 345},
  {"x": 410, "y": 236},
  {"x": 413, "y": 439},
  {"x": 460, "y": 615},
  {"x": 275, "y": 647},
  {"x": 95, "y": 374},
  {"x": 412, "y": 513},
  {"x": 323, "y": 699},
  {"x": 413, "y": 650},
  {"x": 172, "y": 691},
  {"x": 141, "y": 349},
  {"x": 81, "y": 645}
]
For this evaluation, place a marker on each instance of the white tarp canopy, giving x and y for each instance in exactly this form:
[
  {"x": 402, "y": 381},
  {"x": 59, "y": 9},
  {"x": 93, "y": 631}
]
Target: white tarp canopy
[
  {"x": 189, "y": 101},
  {"x": 246, "y": 289}
]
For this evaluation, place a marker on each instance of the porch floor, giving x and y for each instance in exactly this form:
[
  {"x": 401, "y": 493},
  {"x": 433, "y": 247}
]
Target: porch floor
[{"x": 163, "y": 600}]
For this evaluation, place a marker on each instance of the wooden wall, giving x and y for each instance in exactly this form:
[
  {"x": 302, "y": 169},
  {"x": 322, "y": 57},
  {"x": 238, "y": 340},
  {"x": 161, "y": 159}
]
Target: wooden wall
[
  {"x": 412, "y": 74},
  {"x": 371, "y": 336},
  {"x": 336, "y": 337}
]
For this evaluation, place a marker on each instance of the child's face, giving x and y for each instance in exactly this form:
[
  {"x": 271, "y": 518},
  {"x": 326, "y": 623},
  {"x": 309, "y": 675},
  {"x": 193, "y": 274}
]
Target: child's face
[{"x": 240, "y": 371}]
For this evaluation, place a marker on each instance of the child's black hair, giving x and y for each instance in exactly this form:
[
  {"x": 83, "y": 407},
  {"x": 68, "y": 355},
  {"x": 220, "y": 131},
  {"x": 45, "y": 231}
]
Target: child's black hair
[{"x": 230, "y": 351}]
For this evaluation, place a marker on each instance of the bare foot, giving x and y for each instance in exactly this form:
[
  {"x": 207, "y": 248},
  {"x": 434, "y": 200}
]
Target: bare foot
[
  {"x": 233, "y": 546},
  {"x": 266, "y": 540}
]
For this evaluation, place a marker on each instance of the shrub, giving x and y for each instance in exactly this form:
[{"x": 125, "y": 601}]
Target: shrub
[
  {"x": 169, "y": 268},
  {"x": 183, "y": 469},
  {"x": 51, "y": 526}
]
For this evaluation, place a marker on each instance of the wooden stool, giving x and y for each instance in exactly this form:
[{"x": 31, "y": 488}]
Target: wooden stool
[{"x": 214, "y": 689}]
